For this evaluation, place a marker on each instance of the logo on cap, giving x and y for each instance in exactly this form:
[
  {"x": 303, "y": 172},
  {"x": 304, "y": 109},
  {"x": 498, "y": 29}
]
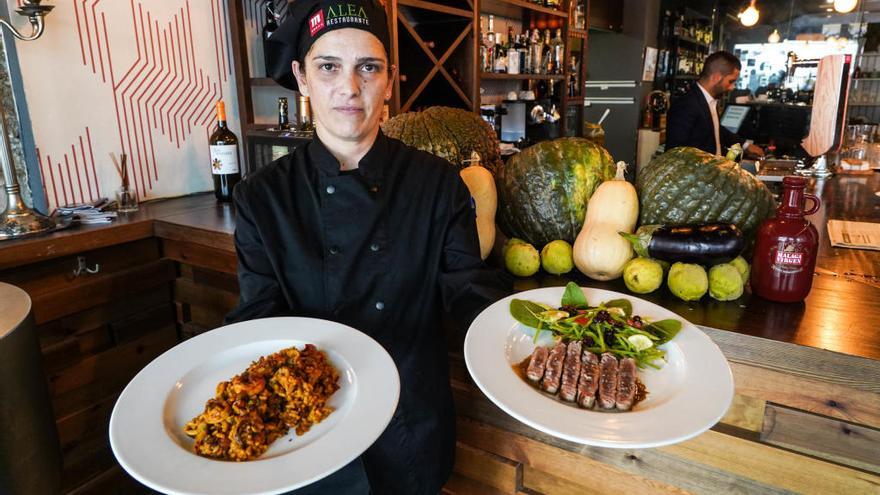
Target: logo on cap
[{"x": 316, "y": 22}]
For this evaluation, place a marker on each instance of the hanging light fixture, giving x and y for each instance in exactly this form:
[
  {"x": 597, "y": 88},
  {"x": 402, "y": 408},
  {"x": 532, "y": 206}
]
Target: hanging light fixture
[
  {"x": 774, "y": 36},
  {"x": 845, "y": 6},
  {"x": 749, "y": 16}
]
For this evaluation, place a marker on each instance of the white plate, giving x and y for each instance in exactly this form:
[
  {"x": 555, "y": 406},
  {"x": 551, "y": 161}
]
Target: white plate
[
  {"x": 686, "y": 397},
  {"x": 146, "y": 428}
]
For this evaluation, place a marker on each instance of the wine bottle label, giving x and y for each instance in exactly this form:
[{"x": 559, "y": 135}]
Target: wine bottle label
[{"x": 224, "y": 159}]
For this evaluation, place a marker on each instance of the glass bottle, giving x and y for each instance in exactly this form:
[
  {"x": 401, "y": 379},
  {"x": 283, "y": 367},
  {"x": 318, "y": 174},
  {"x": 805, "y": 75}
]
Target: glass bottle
[
  {"x": 537, "y": 50},
  {"x": 547, "y": 54},
  {"x": 558, "y": 52},
  {"x": 283, "y": 120},
  {"x": 785, "y": 247}
]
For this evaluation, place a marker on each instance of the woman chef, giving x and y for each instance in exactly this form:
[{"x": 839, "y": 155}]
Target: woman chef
[{"x": 361, "y": 229}]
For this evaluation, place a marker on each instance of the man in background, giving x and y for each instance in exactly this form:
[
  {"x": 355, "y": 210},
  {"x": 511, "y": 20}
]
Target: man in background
[{"x": 693, "y": 119}]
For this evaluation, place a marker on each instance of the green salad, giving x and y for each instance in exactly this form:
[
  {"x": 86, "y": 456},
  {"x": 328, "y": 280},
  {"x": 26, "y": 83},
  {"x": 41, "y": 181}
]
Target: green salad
[{"x": 607, "y": 327}]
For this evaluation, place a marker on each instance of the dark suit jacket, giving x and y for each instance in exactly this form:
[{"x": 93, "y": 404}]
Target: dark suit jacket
[{"x": 689, "y": 123}]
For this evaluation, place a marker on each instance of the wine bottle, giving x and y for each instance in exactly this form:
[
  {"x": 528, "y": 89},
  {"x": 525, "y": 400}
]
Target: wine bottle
[
  {"x": 224, "y": 157},
  {"x": 268, "y": 28}
]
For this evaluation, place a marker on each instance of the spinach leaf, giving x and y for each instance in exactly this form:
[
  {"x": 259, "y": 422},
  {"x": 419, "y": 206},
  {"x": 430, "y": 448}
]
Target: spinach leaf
[
  {"x": 666, "y": 330},
  {"x": 623, "y": 304},
  {"x": 574, "y": 296},
  {"x": 526, "y": 312}
]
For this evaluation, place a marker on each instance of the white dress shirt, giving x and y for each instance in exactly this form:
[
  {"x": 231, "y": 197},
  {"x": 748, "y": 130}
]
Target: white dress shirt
[{"x": 713, "y": 109}]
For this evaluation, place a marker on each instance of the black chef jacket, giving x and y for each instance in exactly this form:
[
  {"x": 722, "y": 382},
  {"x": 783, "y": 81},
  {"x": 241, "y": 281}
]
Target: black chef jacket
[{"x": 384, "y": 248}]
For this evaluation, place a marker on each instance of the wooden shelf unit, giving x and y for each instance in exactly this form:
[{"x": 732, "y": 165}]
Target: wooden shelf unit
[{"x": 522, "y": 77}]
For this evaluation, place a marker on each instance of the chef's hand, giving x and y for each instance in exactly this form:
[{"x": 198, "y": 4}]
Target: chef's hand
[{"x": 754, "y": 151}]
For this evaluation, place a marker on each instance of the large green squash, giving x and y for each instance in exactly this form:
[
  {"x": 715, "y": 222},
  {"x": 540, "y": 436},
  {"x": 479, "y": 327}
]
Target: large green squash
[
  {"x": 689, "y": 186},
  {"x": 543, "y": 191},
  {"x": 450, "y": 133}
]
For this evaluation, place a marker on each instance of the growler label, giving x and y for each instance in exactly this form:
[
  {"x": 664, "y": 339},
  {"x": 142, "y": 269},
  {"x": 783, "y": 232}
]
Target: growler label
[{"x": 790, "y": 258}]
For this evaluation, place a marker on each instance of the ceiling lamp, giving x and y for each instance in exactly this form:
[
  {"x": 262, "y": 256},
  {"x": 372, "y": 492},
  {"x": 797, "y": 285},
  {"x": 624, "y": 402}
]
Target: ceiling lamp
[
  {"x": 845, "y": 6},
  {"x": 749, "y": 16},
  {"x": 774, "y": 36}
]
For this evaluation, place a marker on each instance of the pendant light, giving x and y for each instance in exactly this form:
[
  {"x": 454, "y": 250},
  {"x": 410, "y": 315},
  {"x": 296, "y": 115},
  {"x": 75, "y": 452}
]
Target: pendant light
[
  {"x": 749, "y": 16},
  {"x": 774, "y": 36},
  {"x": 845, "y": 6}
]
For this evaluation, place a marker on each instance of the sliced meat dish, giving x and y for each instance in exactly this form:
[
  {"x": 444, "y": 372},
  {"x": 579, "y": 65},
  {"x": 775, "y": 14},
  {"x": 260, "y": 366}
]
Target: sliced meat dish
[
  {"x": 589, "y": 380},
  {"x": 608, "y": 381},
  {"x": 537, "y": 364},
  {"x": 553, "y": 373},
  {"x": 571, "y": 370},
  {"x": 626, "y": 384}
]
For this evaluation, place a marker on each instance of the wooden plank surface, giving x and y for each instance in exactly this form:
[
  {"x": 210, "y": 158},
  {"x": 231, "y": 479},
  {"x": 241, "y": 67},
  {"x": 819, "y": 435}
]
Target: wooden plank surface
[
  {"x": 106, "y": 373},
  {"x": 824, "y": 398},
  {"x": 837, "y": 441},
  {"x": 772, "y": 466},
  {"x": 799, "y": 360},
  {"x": 200, "y": 256},
  {"x": 567, "y": 465},
  {"x": 101, "y": 289},
  {"x": 654, "y": 467},
  {"x": 487, "y": 468}
]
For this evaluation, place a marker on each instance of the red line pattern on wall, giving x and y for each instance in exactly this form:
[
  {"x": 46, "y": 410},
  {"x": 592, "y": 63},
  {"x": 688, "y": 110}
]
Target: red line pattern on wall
[
  {"x": 82, "y": 171},
  {"x": 162, "y": 96}
]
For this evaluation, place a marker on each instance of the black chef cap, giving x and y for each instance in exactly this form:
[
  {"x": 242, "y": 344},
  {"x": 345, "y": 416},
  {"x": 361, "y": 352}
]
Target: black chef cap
[{"x": 308, "y": 20}]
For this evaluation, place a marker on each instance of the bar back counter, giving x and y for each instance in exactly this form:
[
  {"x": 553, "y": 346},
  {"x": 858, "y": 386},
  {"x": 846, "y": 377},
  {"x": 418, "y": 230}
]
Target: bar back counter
[{"x": 805, "y": 417}]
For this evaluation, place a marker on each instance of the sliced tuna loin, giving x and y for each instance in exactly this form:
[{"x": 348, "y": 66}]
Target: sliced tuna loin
[
  {"x": 608, "y": 381},
  {"x": 571, "y": 371},
  {"x": 589, "y": 380},
  {"x": 553, "y": 373},
  {"x": 537, "y": 364},
  {"x": 626, "y": 384}
]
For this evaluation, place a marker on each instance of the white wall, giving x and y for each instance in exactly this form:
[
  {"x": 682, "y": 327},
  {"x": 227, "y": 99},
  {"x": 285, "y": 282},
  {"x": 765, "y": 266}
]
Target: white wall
[{"x": 133, "y": 76}]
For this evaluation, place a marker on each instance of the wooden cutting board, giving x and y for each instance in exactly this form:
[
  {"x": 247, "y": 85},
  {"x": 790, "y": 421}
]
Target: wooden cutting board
[{"x": 828, "y": 118}]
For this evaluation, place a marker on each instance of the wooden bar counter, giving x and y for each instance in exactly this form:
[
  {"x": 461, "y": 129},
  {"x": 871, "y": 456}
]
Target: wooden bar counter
[{"x": 805, "y": 417}]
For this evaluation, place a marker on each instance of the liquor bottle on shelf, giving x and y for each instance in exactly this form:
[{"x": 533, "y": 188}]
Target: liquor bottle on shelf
[
  {"x": 304, "y": 114},
  {"x": 580, "y": 15},
  {"x": 223, "y": 145},
  {"x": 527, "y": 64},
  {"x": 513, "y": 66},
  {"x": 500, "y": 54},
  {"x": 489, "y": 45},
  {"x": 547, "y": 54},
  {"x": 283, "y": 120},
  {"x": 558, "y": 52},
  {"x": 553, "y": 4},
  {"x": 537, "y": 50},
  {"x": 268, "y": 28}
]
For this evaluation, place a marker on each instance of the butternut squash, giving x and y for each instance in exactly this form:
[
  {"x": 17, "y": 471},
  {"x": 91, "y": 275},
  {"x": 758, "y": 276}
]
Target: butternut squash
[
  {"x": 481, "y": 185},
  {"x": 598, "y": 251}
]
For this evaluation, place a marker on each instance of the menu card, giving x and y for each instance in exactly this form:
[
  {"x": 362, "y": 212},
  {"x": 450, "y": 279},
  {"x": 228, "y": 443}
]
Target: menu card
[{"x": 858, "y": 235}]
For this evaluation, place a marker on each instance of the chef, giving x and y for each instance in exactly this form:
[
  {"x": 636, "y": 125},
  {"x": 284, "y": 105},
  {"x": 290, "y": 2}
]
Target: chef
[
  {"x": 358, "y": 228},
  {"x": 693, "y": 118}
]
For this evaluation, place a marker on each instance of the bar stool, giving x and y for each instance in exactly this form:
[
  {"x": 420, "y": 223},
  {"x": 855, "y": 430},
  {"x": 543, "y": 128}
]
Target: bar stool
[{"x": 30, "y": 455}]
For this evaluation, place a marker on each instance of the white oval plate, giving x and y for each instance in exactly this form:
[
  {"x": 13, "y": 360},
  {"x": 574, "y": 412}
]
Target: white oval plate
[
  {"x": 146, "y": 427},
  {"x": 686, "y": 397}
]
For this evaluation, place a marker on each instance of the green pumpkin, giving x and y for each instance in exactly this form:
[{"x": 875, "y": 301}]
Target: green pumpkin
[
  {"x": 450, "y": 133},
  {"x": 689, "y": 186},
  {"x": 543, "y": 191}
]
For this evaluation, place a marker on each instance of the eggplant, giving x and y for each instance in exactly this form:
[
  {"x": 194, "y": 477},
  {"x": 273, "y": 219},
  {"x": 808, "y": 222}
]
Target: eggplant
[{"x": 705, "y": 244}]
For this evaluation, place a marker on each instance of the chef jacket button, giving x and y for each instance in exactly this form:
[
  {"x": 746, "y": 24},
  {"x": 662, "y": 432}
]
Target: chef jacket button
[
  {"x": 374, "y": 247},
  {"x": 330, "y": 189},
  {"x": 380, "y": 305},
  {"x": 334, "y": 250}
]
